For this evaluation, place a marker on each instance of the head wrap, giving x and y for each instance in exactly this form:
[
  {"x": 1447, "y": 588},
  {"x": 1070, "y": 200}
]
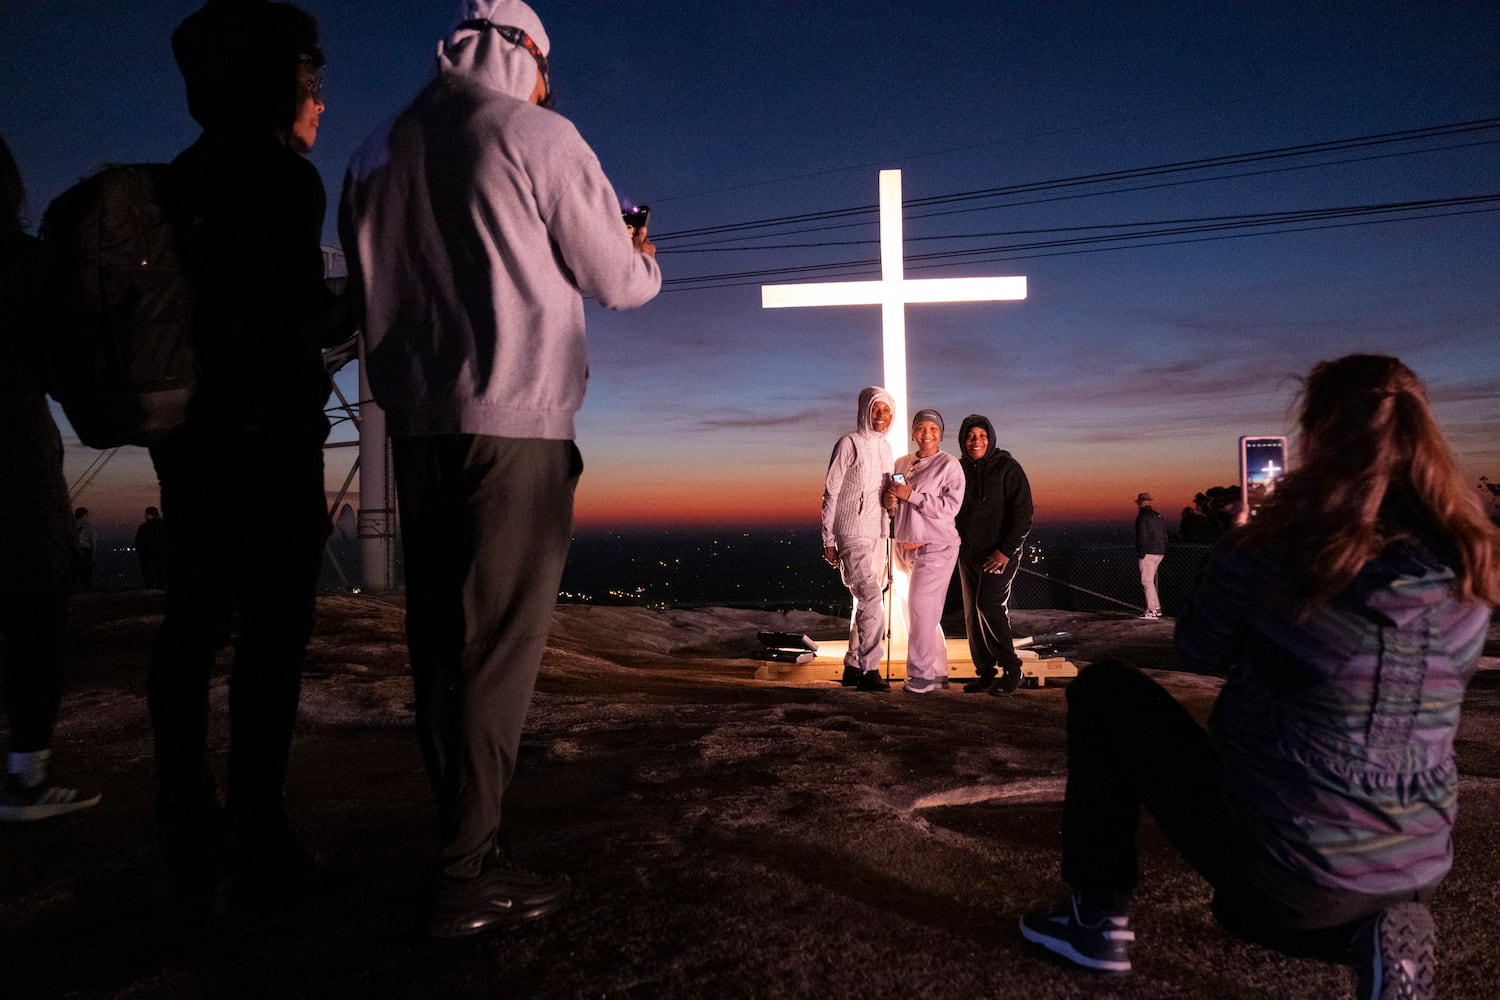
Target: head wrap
[{"x": 927, "y": 415}]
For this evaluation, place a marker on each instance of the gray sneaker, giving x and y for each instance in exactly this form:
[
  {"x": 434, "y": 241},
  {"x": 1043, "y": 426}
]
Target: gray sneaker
[
  {"x": 1103, "y": 944},
  {"x": 19, "y": 804},
  {"x": 1395, "y": 955}
]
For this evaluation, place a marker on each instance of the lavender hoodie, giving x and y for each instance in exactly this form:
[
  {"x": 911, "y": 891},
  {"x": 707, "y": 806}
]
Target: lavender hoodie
[{"x": 474, "y": 224}]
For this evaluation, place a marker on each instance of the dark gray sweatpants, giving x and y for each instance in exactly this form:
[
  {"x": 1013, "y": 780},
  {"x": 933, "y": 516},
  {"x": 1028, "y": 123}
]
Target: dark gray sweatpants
[{"x": 486, "y": 523}]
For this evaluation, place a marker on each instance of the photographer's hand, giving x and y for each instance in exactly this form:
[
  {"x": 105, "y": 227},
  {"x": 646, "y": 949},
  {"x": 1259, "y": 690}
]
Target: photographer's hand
[{"x": 641, "y": 243}]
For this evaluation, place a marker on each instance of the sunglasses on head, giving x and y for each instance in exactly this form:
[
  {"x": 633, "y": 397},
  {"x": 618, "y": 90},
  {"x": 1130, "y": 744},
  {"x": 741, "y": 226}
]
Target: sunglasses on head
[{"x": 516, "y": 36}]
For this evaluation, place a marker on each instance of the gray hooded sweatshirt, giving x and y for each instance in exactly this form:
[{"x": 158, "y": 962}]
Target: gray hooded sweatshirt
[
  {"x": 856, "y": 472},
  {"x": 474, "y": 224}
]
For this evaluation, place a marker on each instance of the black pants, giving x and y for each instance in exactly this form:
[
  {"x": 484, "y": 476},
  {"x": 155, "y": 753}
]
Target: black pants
[
  {"x": 987, "y": 614},
  {"x": 248, "y": 522},
  {"x": 486, "y": 523},
  {"x": 36, "y": 569},
  {"x": 1131, "y": 744}
]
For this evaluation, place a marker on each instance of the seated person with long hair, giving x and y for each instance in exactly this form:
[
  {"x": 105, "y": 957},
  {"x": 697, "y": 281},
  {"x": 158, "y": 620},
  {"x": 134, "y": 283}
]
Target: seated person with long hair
[{"x": 1348, "y": 617}]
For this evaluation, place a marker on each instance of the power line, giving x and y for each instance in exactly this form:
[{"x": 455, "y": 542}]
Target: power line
[
  {"x": 1105, "y": 177},
  {"x": 1191, "y": 231}
]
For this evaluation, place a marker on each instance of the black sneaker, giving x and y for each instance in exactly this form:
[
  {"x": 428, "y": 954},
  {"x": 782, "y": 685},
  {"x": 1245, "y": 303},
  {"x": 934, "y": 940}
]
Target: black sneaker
[
  {"x": 851, "y": 676},
  {"x": 20, "y": 804},
  {"x": 979, "y": 684},
  {"x": 871, "y": 680},
  {"x": 502, "y": 896},
  {"x": 1008, "y": 681},
  {"x": 1103, "y": 944},
  {"x": 1395, "y": 955}
]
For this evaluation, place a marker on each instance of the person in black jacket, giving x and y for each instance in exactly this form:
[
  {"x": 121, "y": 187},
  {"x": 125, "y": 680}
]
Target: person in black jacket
[
  {"x": 1150, "y": 546},
  {"x": 250, "y": 218},
  {"x": 992, "y": 527}
]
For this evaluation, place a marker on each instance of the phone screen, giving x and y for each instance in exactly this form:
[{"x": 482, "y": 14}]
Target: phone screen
[{"x": 1262, "y": 466}]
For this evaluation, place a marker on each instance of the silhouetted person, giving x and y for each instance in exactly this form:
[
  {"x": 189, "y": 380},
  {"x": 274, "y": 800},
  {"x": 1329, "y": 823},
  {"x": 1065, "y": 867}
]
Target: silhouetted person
[
  {"x": 250, "y": 456},
  {"x": 475, "y": 223},
  {"x": 85, "y": 548},
  {"x": 151, "y": 550},
  {"x": 37, "y": 533},
  {"x": 1349, "y": 617}
]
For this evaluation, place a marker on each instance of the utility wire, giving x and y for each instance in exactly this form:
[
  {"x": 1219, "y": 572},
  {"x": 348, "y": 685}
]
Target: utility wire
[
  {"x": 1201, "y": 163},
  {"x": 1367, "y": 215}
]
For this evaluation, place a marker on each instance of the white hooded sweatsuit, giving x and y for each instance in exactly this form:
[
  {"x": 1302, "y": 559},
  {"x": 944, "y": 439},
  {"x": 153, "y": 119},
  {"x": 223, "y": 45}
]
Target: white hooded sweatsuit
[
  {"x": 854, "y": 523},
  {"x": 474, "y": 224}
]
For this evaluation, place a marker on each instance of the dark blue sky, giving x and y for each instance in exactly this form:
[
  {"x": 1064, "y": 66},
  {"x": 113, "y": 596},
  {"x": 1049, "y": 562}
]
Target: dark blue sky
[{"x": 1129, "y": 367}]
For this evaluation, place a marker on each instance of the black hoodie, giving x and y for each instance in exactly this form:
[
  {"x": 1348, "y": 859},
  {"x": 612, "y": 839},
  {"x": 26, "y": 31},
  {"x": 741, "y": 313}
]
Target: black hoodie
[{"x": 997, "y": 511}]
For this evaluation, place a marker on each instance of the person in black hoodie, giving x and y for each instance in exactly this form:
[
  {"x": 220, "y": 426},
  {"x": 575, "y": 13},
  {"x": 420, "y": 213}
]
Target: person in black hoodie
[
  {"x": 992, "y": 526},
  {"x": 249, "y": 213}
]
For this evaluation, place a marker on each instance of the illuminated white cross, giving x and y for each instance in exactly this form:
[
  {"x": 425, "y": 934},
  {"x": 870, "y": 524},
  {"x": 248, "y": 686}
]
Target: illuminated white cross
[
  {"x": 892, "y": 292},
  {"x": 1271, "y": 469}
]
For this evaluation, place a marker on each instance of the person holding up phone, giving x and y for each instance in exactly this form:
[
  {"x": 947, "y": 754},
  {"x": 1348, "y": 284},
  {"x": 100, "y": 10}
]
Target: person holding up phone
[
  {"x": 1319, "y": 804},
  {"x": 925, "y": 493}
]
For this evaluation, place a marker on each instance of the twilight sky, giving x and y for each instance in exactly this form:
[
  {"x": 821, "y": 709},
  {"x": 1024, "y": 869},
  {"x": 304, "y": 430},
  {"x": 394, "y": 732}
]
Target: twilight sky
[{"x": 1134, "y": 364}]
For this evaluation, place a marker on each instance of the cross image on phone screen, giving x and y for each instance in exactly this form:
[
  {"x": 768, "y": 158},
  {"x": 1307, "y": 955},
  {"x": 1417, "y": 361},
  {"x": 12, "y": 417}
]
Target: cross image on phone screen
[{"x": 1262, "y": 466}]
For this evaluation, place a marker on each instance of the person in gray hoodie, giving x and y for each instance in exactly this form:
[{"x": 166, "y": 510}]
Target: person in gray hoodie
[
  {"x": 475, "y": 222},
  {"x": 854, "y": 528}
]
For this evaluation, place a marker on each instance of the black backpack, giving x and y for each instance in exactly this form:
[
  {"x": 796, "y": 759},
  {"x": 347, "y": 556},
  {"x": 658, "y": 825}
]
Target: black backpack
[{"x": 119, "y": 312}]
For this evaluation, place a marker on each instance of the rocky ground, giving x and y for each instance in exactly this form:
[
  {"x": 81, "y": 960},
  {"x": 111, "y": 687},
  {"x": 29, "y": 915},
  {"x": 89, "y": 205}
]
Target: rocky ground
[{"x": 728, "y": 837}]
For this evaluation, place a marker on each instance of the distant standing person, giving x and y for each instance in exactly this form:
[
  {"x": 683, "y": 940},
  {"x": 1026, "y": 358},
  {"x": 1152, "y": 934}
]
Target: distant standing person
[
  {"x": 926, "y": 546},
  {"x": 242, "y": 479},
  {"x": 475, "y": 223},
  {"x": 151, "y": 550},
  {"x": 992, "y": 526},
  {"x": 1150, "y": 547},
  {"x": 855, "y": 529},
  {"x": 1320, "y": 803},
  {"x": 37, "y": 535},
  {"x": 86, "y": 548}
]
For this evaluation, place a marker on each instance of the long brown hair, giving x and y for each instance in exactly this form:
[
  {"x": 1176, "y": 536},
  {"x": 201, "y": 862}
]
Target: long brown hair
[{"x": 1375, "y": 469}]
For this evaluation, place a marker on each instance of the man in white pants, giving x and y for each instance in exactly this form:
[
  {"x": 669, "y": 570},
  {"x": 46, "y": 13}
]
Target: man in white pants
[{"x": 1150, "y": 547}]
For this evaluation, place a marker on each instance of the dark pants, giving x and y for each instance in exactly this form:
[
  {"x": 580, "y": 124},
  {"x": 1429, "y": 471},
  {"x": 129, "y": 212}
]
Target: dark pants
[
  {"x": 486, "y": 523},
  {"x": 1131, "y": 744},
  {"x": 249, "y": 522},
  {"x": 987, "y": 614},
  {"x": 36, "y": 569}
]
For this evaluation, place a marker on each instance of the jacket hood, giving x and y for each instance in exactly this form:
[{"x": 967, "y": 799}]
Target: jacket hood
[
  {"x": 975, "y": 420},
  {"x": 486, "y": 58},
  {"x": 868, "y": 397},
  {"x": 240, "y": 62}
]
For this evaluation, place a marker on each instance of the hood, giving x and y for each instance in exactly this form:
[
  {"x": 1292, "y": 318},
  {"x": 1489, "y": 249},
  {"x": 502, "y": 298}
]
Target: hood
[
  {"x": 975, "y": 420},
  {"x": 486, "y": 58},
  {"x": 240, "y": 61},
  {"x": 868, "y": 397}
]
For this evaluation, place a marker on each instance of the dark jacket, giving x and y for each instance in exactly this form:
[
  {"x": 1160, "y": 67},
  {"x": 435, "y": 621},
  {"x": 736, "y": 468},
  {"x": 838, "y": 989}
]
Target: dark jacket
[
  {"x": 997, "y": 511},
  {"x": 1150, "y": 533},
  {"x": 1335, "y": 734},
  {"x": 252, "y": 221}
]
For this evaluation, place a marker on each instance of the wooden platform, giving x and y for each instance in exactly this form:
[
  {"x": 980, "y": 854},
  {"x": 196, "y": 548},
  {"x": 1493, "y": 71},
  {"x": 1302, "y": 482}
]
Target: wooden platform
[{"x": 828, "y": 665}]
